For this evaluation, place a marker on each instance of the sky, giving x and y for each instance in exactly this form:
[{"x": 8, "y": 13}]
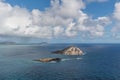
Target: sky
[{"x": 60, "y": 21}]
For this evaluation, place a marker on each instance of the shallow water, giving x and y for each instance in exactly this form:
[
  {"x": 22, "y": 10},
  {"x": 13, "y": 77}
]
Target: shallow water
[{"x": 101, "y": 62}]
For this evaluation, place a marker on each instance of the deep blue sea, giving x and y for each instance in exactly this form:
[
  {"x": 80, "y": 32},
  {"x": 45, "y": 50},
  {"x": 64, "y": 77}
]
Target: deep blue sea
[{"x": 100, "y": 62}]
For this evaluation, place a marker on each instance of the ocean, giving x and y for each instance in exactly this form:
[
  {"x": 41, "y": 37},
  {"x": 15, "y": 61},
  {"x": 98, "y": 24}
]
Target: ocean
[{"x": 100, "y": 62}]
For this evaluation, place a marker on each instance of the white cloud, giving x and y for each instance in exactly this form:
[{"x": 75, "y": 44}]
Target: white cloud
[
  {"x": 94, "y": 27},
  {"x": 58, "y": 31},
  {"x": 117, "y": 11},
  {"x": 61, "y": 19},
  {"x": 70, "y": 31},
  {"x": 116, "y": 15}
]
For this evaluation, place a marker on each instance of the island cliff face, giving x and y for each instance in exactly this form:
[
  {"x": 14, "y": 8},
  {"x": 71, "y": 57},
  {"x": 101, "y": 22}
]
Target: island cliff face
[{"x": 72, "y": 50}]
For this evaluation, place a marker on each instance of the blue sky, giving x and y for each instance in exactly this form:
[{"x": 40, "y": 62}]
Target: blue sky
[
  {"x": 31, "y": 4},
  {"x": 94, "y": 8},
  {"x": 60, "y": 21},
  {"x": 100, "y": 9}
]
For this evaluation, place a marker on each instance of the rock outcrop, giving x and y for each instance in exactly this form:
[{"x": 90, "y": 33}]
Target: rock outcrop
[
  {"x": 49, "y": 59},
  {"x": 72, "y": 50}
]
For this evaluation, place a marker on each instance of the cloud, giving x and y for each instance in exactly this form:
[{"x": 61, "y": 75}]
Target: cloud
[
  {"x": 62, "y": 19},
  {"x": 95, "y": 27},
  {"x": 19, "y": 21},
  {"x": 116, "y": 15}
]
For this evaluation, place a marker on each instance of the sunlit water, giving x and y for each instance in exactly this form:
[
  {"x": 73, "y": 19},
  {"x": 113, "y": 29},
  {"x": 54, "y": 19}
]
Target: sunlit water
[{"x": 101, "y": 62}]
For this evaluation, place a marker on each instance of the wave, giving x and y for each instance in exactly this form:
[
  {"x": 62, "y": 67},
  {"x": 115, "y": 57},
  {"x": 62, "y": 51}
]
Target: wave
[
  {"x": 79, "y": 58},
  {"x": 67, "y": 59}
]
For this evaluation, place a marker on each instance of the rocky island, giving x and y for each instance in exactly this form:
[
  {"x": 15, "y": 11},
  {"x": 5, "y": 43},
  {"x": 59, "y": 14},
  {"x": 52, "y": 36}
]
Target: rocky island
[
  {"x": 72, "y": 50},
  {"x": 49, "y": 60}
]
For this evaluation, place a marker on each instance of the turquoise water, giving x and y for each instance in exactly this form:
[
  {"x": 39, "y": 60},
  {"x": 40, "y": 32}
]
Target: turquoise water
[{"x": 101, "y": 62}]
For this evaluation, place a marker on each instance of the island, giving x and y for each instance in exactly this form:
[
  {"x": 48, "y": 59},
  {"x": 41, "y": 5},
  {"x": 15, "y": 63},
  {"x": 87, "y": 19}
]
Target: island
[
  {"x": 49, "y": 60},
  {"x": 71, "y": 50}
]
